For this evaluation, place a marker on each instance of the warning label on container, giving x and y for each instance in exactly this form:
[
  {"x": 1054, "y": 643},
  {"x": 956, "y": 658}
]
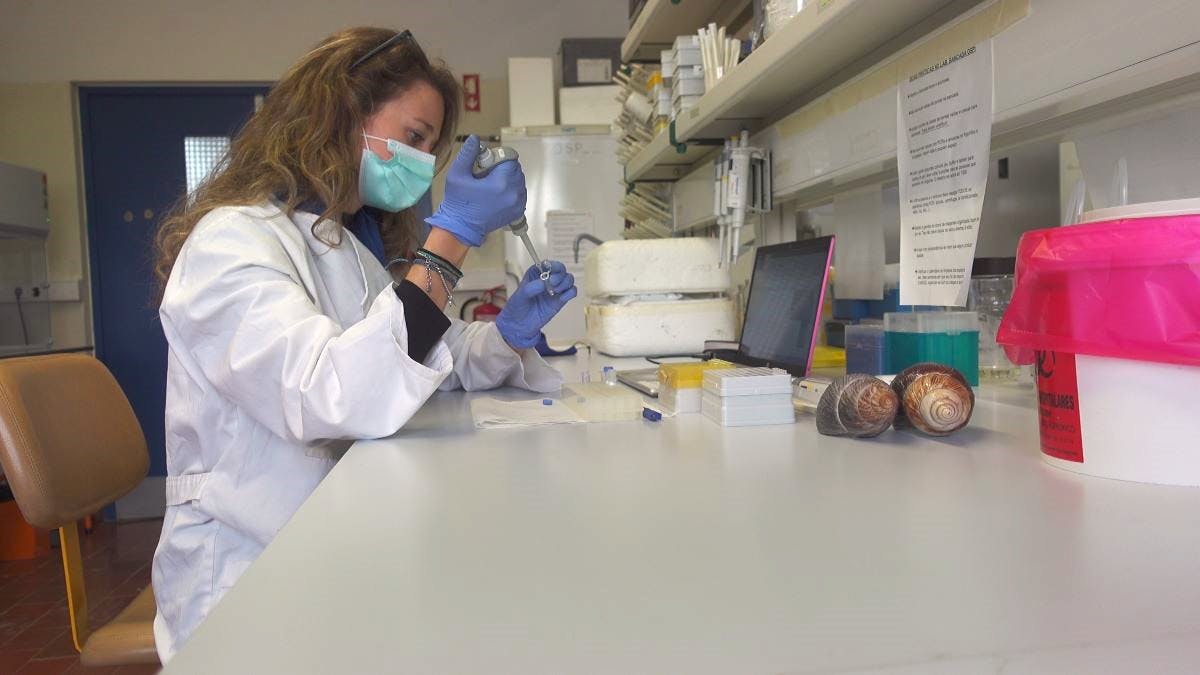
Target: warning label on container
[{"x": 1058, "y": 406}]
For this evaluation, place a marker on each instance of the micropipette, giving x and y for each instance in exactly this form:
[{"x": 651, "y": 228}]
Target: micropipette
[{"x": 488, "y": 159}]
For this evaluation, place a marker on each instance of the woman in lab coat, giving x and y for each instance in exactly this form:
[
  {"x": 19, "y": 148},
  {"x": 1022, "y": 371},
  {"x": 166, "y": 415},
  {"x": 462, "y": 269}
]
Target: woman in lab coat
[{"x": 288, "y": 337}]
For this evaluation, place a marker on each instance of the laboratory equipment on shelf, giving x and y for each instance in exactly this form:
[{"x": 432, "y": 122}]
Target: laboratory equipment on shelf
[
  {"x": 991, "y": 290},
  {"x": 742, "y": 184},
  {"x": 686, "y": 73},
  {"x": 718, "y": 53}
]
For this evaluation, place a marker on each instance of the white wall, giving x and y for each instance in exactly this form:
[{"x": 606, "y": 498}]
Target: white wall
[
  {"x": 170, "y": 40},
  {"x": 48, "y": 45}
]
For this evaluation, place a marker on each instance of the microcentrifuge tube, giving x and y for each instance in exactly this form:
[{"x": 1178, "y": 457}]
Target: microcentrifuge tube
[{"x": 610, "y": 375}]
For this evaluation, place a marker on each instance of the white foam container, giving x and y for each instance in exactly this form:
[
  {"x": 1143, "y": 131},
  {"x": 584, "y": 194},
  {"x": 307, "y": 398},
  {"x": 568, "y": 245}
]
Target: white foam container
[
  {"x": 748, "y": 411},
  {"x": 659, "y": 328},
  {"x": 746, "y": 382},
  {"x": 627, "y": 267}
]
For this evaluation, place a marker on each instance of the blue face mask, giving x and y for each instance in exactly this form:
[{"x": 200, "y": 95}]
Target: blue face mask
[{"x": 395, "y": 184}]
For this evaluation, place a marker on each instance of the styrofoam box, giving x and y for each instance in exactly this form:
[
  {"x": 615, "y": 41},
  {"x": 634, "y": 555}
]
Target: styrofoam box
[
  {"x": 588, "y": 105},
  {"x": 746, "y": 382},
  {"x": 626, "y": 267},
  {"x": 530, "y": 91},
  {"x": 746, "y": 411},
  {"x": 659, "y": 328}
]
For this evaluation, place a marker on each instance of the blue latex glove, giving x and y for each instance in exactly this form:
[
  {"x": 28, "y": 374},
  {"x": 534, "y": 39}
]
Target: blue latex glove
[
  {"x": 472, "y": 206},
  {"x": 531, "y": 307}
]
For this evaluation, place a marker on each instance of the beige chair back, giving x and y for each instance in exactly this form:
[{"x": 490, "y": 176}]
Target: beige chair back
[{"x": 69, "y": 441}]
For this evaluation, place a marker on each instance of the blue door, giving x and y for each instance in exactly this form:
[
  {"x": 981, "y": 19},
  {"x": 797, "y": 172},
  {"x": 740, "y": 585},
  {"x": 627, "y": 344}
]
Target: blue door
[{"x": 141, "y": 148}]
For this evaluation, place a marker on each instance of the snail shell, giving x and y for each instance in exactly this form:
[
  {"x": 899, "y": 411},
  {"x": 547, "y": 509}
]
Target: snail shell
[
  {"x": 938, "y": 403},
  {"x": 858, "y": 406},
  {"x": 910, "y": 374}
]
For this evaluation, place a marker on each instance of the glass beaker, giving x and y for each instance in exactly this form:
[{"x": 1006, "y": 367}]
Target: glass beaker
[{"x": 991, "y": 290}]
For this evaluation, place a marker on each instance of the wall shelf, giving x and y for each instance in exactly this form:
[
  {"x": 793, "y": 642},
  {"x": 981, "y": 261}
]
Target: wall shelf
[
  {"x": 659, "y": 160},
  {"x": 661, "y": 21},
  {"x": 820, "y": 41}
]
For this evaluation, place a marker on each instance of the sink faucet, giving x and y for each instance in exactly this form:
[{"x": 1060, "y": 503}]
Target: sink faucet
[{"x": 580, "y": 239}]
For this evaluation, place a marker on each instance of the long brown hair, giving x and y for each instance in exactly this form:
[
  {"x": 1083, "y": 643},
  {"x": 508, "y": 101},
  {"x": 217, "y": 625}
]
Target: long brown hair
[{"x": 305, "y": 142}]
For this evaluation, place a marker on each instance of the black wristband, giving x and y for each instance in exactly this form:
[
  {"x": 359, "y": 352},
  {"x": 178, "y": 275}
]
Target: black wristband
[
  {"x": 445, "y": 264},
  {"x": 425, "y": 322}
]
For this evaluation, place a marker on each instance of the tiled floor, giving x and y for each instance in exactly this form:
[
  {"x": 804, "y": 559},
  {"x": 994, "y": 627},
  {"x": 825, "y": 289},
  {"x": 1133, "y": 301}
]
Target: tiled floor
[{"x": 35, "y": 633}]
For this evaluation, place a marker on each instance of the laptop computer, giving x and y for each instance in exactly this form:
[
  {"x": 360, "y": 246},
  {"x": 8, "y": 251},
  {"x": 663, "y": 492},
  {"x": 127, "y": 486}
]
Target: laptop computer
[
  {"x": 783, "y": 308},
  {"x": 783, "y": 312}
]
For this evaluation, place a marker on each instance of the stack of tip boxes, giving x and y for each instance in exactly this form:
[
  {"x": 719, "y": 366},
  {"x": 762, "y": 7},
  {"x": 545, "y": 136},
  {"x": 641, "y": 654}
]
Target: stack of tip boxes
[
  {"x": 657, "y": 297},
  {"x": 679, "y": 384},
  {"x": 687, "y": 74},
  {"x": 744, "y": 397}
]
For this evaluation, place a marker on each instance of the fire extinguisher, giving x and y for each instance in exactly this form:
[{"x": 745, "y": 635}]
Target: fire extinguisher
[{"x": 487, "y": 309}]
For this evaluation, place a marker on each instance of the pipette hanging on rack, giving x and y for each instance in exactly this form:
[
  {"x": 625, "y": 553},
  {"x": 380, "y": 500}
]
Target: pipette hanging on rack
[{"x": 742, "y": 185}]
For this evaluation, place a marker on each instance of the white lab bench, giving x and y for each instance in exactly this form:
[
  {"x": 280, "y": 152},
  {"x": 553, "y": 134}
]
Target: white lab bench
[{"x": 683, "y": 547}]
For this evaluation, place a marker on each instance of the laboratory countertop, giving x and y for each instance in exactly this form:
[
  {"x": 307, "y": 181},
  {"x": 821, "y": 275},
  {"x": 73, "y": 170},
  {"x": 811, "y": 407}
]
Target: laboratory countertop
[{"x": 684, "y": 547}]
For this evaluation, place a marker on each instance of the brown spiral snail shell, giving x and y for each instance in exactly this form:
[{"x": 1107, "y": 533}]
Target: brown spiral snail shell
[
  {"x": 934, "y": 399},
  {"x": 858, "y": 406}
]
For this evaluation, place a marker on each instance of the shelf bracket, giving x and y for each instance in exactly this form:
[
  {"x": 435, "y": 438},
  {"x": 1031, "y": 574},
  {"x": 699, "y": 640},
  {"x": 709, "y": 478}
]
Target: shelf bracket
[{"x": 681, "y": 146}]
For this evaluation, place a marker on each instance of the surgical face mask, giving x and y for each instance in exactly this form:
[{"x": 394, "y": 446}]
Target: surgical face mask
[{"x": 395, "y": 184}]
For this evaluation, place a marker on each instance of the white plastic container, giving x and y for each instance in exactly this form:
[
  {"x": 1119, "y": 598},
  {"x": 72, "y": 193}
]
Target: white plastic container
[
  {"x": 1138, "y": 421},
  {"x": 748, "y": 382},
  {"x": 687, "y": 87},
  {"x": 659, "y": 328},
  {"x": 746, "y": 411},
  {"x": 680, "y": 400}
]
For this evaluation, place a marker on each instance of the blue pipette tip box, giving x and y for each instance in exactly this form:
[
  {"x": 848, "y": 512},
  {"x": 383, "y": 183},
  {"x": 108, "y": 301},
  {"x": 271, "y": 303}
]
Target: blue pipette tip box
[{"x": 547, "y": 401}]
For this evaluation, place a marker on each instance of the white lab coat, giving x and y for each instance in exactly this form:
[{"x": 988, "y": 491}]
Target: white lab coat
[{"x": 282, "y": 350}]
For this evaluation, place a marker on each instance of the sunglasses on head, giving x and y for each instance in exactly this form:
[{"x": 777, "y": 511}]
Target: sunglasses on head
[{"x": 402, "y": 36}]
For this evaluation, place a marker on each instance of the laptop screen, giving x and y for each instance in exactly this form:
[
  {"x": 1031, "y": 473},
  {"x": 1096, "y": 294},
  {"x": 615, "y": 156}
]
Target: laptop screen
[{"x": 784, "y": 305}]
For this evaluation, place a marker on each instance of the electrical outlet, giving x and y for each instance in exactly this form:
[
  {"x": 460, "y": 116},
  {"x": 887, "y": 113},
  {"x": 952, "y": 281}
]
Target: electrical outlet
[{"x": 64, "y": 291}]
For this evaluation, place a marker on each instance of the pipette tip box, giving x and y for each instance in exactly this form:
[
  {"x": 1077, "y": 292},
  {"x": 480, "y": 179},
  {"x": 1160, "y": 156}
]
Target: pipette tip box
[{"x": 741, "y": 397}]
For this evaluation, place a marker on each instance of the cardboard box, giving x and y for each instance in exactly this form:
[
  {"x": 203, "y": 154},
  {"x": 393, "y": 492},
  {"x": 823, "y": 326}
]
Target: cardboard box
[{"x": 589, "y": 61}]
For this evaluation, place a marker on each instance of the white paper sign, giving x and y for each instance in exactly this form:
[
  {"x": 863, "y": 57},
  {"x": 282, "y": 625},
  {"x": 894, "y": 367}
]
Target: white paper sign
[
  {"x": 593, "y": 71},
  {"x": 944, "y": 137},
  {"x": 858, "y": 256},
  {"x": 562, "y": 228}
]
